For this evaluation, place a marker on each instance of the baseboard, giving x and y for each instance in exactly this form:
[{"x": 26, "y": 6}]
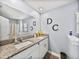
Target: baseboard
[{"x": 55, "y": 54}]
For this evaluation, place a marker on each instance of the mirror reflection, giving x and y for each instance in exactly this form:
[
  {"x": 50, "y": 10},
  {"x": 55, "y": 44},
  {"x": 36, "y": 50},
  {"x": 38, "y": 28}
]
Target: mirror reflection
[{"x": 13, "y": 21}]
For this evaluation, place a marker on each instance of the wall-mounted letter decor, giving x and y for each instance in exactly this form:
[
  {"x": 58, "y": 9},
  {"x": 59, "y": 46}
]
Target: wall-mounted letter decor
[
  {"x": 49, "y": 20},
  {"x": 34, "y": 23},
  {"x": 55, "y": 27},
  {"x": 25, "y": 27},
  {"x": 31, "y": 28}
]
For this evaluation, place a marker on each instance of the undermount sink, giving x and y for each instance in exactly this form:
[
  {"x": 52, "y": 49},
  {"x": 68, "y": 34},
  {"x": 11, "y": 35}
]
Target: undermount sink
[{"x": 23, "y": 44}]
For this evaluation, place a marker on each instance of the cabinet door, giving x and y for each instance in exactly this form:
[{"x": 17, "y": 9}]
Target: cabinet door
[
  {"x": 34, "y": 54},
  {"x": 43, "y": 48}
]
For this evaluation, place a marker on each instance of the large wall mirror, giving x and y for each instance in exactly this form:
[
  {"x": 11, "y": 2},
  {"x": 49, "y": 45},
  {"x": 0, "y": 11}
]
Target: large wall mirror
[{"x": 9, "y": 28}]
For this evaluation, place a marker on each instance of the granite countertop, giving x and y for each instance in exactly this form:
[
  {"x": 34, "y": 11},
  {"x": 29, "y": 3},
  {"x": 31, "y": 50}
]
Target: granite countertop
[{"x": 9, "y": 50}]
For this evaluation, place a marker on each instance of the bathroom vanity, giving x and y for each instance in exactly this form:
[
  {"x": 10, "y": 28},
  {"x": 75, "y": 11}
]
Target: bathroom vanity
[{"x": 35, "y": 50}]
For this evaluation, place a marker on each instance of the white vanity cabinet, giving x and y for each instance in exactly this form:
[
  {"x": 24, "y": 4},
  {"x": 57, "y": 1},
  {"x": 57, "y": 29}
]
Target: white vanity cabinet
[
  {"x": 24, "y": 54},
  {"x": 37, "y": 51}
]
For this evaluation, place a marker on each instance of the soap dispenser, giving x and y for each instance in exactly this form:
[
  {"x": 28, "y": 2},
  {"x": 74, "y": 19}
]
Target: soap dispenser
[{"x": 70, "y": 33}]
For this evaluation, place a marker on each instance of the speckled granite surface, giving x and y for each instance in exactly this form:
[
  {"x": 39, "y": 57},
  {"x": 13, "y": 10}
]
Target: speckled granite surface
[{"x": 9, "y": 49}]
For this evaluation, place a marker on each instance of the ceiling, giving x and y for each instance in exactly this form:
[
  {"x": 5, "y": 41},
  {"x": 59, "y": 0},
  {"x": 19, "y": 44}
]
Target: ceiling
[
  {"x": 15, "y": 9},
  {"x": 46, "y": 5},
  {"x": 31, "y": 7}
]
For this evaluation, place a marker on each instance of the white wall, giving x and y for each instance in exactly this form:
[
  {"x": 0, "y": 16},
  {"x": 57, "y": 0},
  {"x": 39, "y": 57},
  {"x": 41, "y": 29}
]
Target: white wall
[{"x": 65, "y": 17}]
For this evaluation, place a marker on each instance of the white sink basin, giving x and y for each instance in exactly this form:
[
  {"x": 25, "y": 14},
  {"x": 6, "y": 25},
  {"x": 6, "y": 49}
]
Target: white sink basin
[
  {"x": 74, "y": 40},
  {"x": 21, "y": 45}
]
